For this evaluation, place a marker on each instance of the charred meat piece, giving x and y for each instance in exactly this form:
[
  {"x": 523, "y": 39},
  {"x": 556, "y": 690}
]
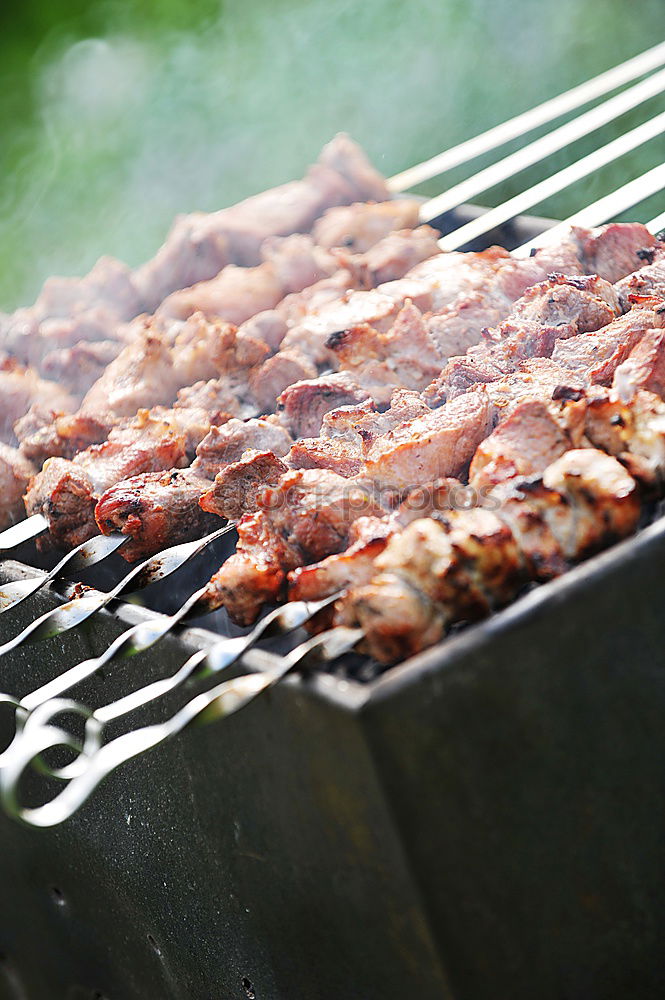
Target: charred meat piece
[
  {"x": 155, "y": 509},
  {"x": 648, "y": 281},
  {"x": 254, "y": 575},
  {"x": 15, "y": 474},
  {"x": 304, "y": 403},
  {"x": 394, "y": 256},
  {"x": 352, "y": 567},
  {"x": 539, "y": 378},
  {"x": 238, "y": 486},
  {"x": 306, "y": 517},
  {"x": 435, "y": 573},
  {"x": 615, "y": 250},
  {"x": 226, "y": 444},
  {"x": 66, "y": 492}
]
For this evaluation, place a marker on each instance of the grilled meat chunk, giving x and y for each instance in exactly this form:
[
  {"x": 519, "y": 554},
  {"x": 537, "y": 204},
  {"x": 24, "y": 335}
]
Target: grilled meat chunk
[
  {"x": 360, "y": 226},
  {"x": 66, "y": 492},
  {"x": 615, "y": 250},
  {"x": 306, "y": 517},
  {"x": 303, "y": 404},
  {"x": 549, "y": 313},
  {"x": 426, "y": 448},
  {"x": 597, "y": 355},
  {"x": 523, "y": 444},
  {"x": 394, "y": 256},
  {"x": 435, "y": 573},
  {"x": 648, "y": 281},
  {"x": 238, "y": 293},
  {"x": 271, "y": 378},
  {"x": 16, "y": 471},
  {"x": 21, "y": 388},
  {"x": 406, "y": 356},
  {"x": 226, "y": 444},
  {"x": 155, "y": 509},
  {"x": 141, "y": 376},
  {"x": 46, "y": 434},
  {"x": 644, "y": 368},
  {"x": 238, "y": 486},
  {"x": 77, "y": 368}
]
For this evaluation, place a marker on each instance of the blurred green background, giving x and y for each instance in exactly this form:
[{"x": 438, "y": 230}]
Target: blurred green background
[{"x": 115, "y": 116}]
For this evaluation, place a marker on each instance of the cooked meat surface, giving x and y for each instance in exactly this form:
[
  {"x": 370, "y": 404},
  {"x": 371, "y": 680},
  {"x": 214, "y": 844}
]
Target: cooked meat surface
[
  {"x": 597, "y": 355},
  {"x": 156, "y": 509},
  {"x": 66, "y": 492},
  {"x": 20, "y": 388},
  {"x": 303, "y": 404},
  {"x": 226, "y": 444},
  {"x": 239, "y": 485},
  {"x": 359, "y": 227},
  {"x": 16, "y": 471},
  {"x": 435, "y": 573},
  {"x": 438, "y": 444},
  {"x": 523, "y": 444}
]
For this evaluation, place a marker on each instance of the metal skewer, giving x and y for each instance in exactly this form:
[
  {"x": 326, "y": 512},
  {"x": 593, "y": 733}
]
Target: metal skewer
[
  {"x": 87, "y": 554},
  {"x": 605, "y": 208},
  {"x": 24, "y": 531},
  {"x": 81, "y": 608},
  {"x": 556, "y": 182},
  {"x": 203, "y": 664},
  {"x": 221, "y": 701},
  {"x": 554, "y": 108},
  {"x": 543, "y": 147}
]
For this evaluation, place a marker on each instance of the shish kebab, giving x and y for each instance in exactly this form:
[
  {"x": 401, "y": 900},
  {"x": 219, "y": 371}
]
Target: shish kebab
[
  {"x": 407, "y": 444},
  {"x": 465, "y": 291},
  {"x": 374, "y": 540}
]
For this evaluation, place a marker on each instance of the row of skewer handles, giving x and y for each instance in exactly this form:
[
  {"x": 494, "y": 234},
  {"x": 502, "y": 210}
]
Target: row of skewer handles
[{"x": 40, "y": 718}]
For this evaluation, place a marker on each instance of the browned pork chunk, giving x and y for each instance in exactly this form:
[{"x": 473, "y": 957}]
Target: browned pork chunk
[
  {"x": 440, "y": 443},
  {"x": 15, "y": 474},
  {"x": 524, "y": 444},
  {"x": 20, "y": 388},
  {"x": 239, "y": 486},
  {"x": 360, "y": 226},
  {"x": 306, "y": 517},
  {"x": 435, "y": 573},
  {"x": 644, "y": 368},
  {"x": 597, "y": 355},
  {"x": 304, "y": 403},
  {"x": 226, "y": 444},
  {"x": 66, "y": 492},
  {"x": 156, "y": 509}
]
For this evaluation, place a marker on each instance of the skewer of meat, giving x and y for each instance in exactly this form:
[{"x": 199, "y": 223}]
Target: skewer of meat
[
  {"x": 71, "y": 310},
  {"x": 392, "y": 451},
  {"x": 458, "y": 569}
]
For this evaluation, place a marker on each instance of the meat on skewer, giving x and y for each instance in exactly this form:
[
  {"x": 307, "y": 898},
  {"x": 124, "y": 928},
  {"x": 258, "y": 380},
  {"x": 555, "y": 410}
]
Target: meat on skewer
[
  {"x": 16, "y": 471},
  {"x": 69, "y": 310},
  {"x": 459, "y": 568},
  {"x": 409, "y": 444}
]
